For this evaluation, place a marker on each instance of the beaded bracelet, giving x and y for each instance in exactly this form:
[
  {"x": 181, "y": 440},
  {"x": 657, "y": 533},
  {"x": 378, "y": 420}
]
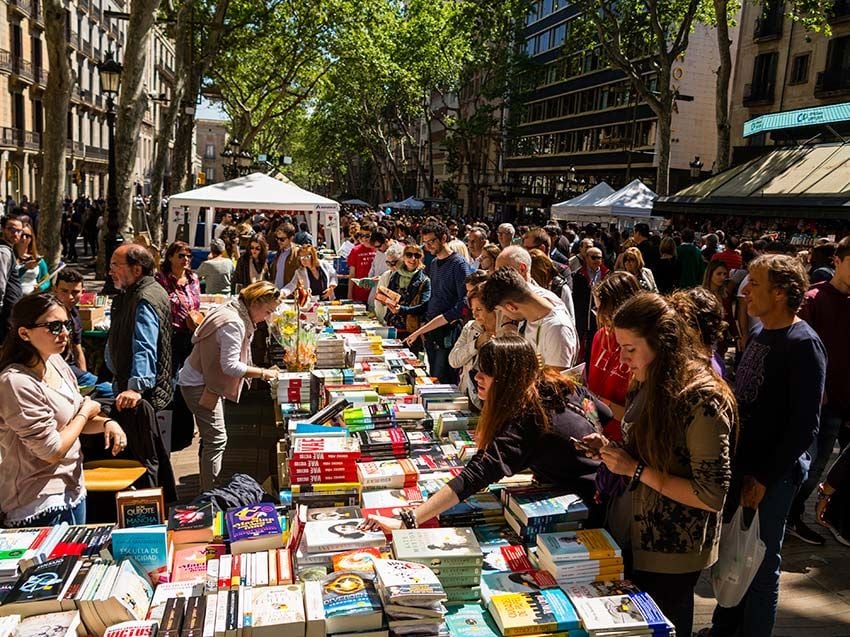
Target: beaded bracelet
[
  {"x": 636, "y": 477},
  {"x": 408, "y": 518}
]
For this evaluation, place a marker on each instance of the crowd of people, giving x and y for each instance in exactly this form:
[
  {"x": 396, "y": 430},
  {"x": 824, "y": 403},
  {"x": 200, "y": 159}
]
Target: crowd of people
[{"x": 667, "y": 378}]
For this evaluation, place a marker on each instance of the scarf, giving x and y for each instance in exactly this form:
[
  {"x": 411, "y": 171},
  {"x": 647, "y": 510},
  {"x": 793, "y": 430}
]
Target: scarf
[{"x": 404, "y": 276}]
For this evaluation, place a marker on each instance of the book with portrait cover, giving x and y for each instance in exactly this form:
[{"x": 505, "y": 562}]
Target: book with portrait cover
[
  {"x": 322, "y": 536},
  {"x": 333, "y": 513},
  {"x": 438, "y": 547}
]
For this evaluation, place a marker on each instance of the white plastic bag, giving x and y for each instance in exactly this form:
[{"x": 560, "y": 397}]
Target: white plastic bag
[{"x": 741, "y": 553}]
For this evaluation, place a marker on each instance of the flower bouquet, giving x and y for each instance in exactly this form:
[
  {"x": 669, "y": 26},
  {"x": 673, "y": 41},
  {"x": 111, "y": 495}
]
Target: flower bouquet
[{"x": 295, "y": 333}]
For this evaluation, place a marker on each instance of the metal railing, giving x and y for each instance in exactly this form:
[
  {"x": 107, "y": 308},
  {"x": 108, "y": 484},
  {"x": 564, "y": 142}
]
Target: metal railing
[
  {"x": 40, "y": 76},
  {"x": 25, "y": 6},
  {"x": 833, "y": 81},
  {"x": 74, "y": 40},
  {"x": 19, "y": 137},
  {"x": 22, "y": 68},
  {"x": 5, "y": 61},
  {"x": 758, "y": 93},
  {"x": 95, "y": 152},
  {"x": 87, "y": 48}
]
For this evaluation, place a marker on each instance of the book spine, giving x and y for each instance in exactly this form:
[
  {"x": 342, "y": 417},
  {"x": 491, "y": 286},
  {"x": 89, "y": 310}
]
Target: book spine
[
  {"x": 284, "y": 566},
  {"x": 225, "y": 566},
  {"x": 222, "y": 602},
  {"x": 211, "y": 581},
  {"x": 344, "y": 456},
  {"x": 236, "y": 572},
  {"x": 271, "y": 557},
  {"x": 210, "y": 612},
  {"x": 232, "y": 613},
  {"x": 62, "y": 547}
]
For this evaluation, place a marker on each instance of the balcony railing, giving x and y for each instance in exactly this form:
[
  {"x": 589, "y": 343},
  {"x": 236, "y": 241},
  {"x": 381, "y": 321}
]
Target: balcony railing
[
  {"x": 40, "y": 76},
  {"x": 76, "y": 148},
  {"x": 769, "y": 26},
  {"x": 74, "y": 41},
  {"x": 20, "y": 138},
  {"x": 94, "y": 152},
  {"x": 5, "y": 61},
  {"x": 75, "y": 93},
  {"x": 24, "y": 6},
  {"x": 758, "y": 94},
  {"x": 22, "y": 68},
  {"x": 87, "y": 48},
  {"x": 84, "y": 4},
  {"x": 834, "y": 82},
  {"x": 98, "y": 101}
]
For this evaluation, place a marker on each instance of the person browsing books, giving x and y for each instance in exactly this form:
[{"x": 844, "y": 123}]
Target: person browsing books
[
  {"x": 528, "y": 418},
  {"x": 315, "y": 274},
  {"x": 219, "y": 366},
  {"x": 674, "y": 459},
  {"x": 42, "y": 415}
]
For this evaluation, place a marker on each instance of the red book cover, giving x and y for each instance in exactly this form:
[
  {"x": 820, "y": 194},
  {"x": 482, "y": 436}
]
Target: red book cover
[{"x": 516, "y": 558}]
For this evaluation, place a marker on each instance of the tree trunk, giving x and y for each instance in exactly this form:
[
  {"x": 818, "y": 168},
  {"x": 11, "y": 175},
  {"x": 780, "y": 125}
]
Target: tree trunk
[
  {"x": 132, "y": 103},
  {"x": 57, "y": 98},
  {"x": 724, "y": 73},
  {"x": 665, "y": 125}
]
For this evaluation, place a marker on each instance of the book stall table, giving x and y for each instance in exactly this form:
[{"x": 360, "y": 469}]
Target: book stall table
[{"x": 362, "y": 430}]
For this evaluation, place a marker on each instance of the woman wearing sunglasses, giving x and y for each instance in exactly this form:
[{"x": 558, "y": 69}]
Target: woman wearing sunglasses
[
  {"x": 31, "y": 267},
  {"x": 220, "y": 365},
  {"x": 42, "y": 415},
  {"x": 184, "y": 293},
  {"x": 316, "y": 275},
  {"x": 414, "y": 286}
]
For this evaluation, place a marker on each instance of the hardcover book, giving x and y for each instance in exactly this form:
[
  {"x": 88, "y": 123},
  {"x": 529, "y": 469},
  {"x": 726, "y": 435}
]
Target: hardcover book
[
  {"x": 38, "y": 590},
  {"x": 535, "y": 612},
  {"x": 143, "y": 507},
  {"x": 253, "y": 528}
]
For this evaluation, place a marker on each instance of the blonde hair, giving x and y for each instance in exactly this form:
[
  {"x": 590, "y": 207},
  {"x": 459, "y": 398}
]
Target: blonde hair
[
  {"x": 259, "y": 292},
  {"x": 314, "y": 256},
  {"x": 456, "y": 245}
]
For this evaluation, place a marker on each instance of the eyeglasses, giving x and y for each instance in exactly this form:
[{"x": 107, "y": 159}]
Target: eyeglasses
[
  {"x": 392, "y": 264},
  {"x": 15, "y": 230},
  {"x": 185, "y": 255},
  {"x": 595, "y": 258},
  {"x": 55, "y": 327},
  {"x": 412, "y": 255},
  {"x": 255, "y": 248},
  {"x": 430, "y": 242}
]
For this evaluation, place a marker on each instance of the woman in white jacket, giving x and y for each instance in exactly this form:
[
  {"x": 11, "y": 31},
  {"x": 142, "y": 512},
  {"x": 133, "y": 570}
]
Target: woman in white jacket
[
  {"x": 316, "y": 275},
  {"x": 464, "y": 354}
]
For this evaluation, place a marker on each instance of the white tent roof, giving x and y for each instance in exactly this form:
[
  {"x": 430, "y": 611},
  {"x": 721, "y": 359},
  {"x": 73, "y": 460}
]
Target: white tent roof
[
  {"x": 411, "y": 203},
  {"x": 563, "y": 209},
  {"x": 632, "y": 200},
  {"x": 254, "y": 191}
]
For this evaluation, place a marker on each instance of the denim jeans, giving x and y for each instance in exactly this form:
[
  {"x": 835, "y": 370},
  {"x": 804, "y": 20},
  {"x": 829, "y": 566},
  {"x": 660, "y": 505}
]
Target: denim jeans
[
  {"x": 438, "y": 359},
  {"x": 75, "y": 515},
  {"x": 756, "y": 614},
  {"x": 821, "y": 452}
]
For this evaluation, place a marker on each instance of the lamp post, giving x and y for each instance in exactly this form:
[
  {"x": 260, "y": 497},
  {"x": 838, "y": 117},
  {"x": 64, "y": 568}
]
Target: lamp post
[{"x": 110, "y": 81}]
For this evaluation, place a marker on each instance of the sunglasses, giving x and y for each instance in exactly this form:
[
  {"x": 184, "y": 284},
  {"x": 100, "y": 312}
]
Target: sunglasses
[
  {"x": 185, "y": 255},
  {"x": 55, "y": 327},
  {"x": 392, "y": 264},
  {"x": 412, "y": 255},
  {"x": 596, "y": 258}
]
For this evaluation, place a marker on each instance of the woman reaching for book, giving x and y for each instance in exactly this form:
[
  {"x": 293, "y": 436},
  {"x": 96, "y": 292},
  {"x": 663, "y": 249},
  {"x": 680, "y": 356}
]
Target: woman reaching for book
[
  {"x": 674, "y": 460},
  {"x": 42, "y": 415},
  {"x": 528, "y": 419}
]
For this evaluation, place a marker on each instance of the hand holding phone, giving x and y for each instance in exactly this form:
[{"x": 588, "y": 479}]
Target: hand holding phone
[{"x": 583, "y": 446}]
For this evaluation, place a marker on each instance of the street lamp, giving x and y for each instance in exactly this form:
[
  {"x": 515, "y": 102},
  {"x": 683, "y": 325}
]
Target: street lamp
[
  {"x": 696, "y": 168},
  {"x": 110, "y": 82}
]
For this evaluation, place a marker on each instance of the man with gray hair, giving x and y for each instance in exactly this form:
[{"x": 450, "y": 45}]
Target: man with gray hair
[
  {"x": 476, "y": 239},
  {"x": 217, "y": 270},
  {"x": 517, "y": 258},
  {"x": 505, "y": 234}
]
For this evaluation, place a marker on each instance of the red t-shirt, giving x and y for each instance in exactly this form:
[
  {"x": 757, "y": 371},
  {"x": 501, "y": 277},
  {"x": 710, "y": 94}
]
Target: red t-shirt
[
  {"x": 607, "y": 377},
  {"x": 359, "y": 263}
]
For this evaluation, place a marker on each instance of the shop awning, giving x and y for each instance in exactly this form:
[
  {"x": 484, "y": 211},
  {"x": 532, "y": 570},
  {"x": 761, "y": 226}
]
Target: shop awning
[{"x": 809, "y": 182}]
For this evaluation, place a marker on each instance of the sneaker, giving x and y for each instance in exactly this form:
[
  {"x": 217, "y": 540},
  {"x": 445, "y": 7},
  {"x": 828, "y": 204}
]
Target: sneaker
[
  {"x": 804, "y": 532},
  {"x": 838, "y": 537}
]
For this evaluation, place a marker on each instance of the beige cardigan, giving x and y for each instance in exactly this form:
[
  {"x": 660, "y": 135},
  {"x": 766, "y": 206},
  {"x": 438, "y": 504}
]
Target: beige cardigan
[{"x": 31, "y": 416}]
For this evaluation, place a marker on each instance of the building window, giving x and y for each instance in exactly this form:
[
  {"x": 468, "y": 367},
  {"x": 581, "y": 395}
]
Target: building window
[
  {"x": 764, "y": 79},
  {"x": 800, "y": 69},
  {"x": 209, "y": 174},
  {"x": 209, "y": 151}
]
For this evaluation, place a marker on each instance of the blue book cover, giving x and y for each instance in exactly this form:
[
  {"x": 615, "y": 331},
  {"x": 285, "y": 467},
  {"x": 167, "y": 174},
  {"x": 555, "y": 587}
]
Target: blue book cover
[
  {"x": 148, "y": 545},
  {"x": 561, "y": 608},
  {"x": 470, "y": 620},
  {"x": 349, "y": 592}
]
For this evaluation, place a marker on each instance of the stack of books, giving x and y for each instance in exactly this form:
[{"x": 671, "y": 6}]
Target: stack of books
[
  {"x": 252, "y": 528},
  {"x": 622, "y": 615},
  {"x": 452, "y": 553},
  {"x": 387, "y": 474},
  {"x": 371, "y": 416},
  {"x": 412, "y": 596},
  {"x": 323, "y": 460},
  {"x": 533, "y": 510},
  {"x": 480, "y": 509},
  {"x": 293, "y": 387},
  {"x": 330, "y": 351},
  {"x": 351, "y": 603},
  {"x": 574, "y": 557},
  {"x": 383, "y": 444},
  {"x": 327, "y": 536}
]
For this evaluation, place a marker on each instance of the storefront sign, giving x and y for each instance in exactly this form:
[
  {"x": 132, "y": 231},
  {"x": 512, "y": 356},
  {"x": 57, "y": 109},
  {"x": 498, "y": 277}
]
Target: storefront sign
[{"x": 793, "y": 119}]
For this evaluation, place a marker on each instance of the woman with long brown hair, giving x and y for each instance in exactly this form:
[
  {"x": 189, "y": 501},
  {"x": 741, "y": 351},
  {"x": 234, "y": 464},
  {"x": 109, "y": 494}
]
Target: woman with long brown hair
[
  {"x": 184, "y": 294},
  {"x": 674, "y": 458},
  {"x": 253, "y": 263},
  {"x": 528, "y": 418}
]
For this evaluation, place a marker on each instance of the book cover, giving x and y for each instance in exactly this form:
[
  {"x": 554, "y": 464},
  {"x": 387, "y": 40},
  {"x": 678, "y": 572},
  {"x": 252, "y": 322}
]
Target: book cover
[
  {"x": 189, "y": 563},
  {"x": 384, "y": 498},
  {"x": 436, "y": 547},
  {"x": 38, "y": 588},
  {"x": 407, "y": 583},
  {"x": 542, "y": 507},
  {"x": 339, "y": 535},
  {"x": 256, "y": 522},
  {"x": 132, "y": 629},
  {"x": 277, "y": 610},
  {"x": 325, "y": 448},
  {"x": 493, "y": 584},
  {"x": 189, "y": 524},
  {"x": 470, "y": 620},
  {"x": 534, "y": 612},
  {"x": 169, "y": 590},
  {"x": 62, "y": 624},
  {"x": 333, "y": 513},
  {"x": 314, "y": 610},
  {"x": 358, "y": 560},
  {"x": 607, "y": 588},
  {"x": 396, "y": 474},
  {"x": 147, "y": 545},
  {"x": 351, "y": 602},
  {"x": 143, "y": 507},
  {"x": 585, "y": 544},
  {"x": 633, "y": 612}
]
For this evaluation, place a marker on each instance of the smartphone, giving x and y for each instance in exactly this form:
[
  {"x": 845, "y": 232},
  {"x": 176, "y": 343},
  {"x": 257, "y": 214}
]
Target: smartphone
[{"x": 583, "y": 446}]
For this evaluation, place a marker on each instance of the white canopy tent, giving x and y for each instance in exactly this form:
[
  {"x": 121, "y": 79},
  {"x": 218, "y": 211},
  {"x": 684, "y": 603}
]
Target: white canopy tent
[
  {"x": 411, "y": 203},
  {"x": 566, "y": 209},
  {"x": 256, "y": 191},
  {"x": 632, "y": 200}
]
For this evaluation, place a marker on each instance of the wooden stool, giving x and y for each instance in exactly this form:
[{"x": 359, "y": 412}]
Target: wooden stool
[{"x": 105, "y": 478}]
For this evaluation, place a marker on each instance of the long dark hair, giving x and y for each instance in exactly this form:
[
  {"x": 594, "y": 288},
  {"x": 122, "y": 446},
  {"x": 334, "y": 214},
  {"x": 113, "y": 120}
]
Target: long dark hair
[
  {"x": 677, "y": 371},
  {"x": 165, "y": 264},
  {"x": 25, "y": 313},
  {"x": 515, "y": 369}
]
